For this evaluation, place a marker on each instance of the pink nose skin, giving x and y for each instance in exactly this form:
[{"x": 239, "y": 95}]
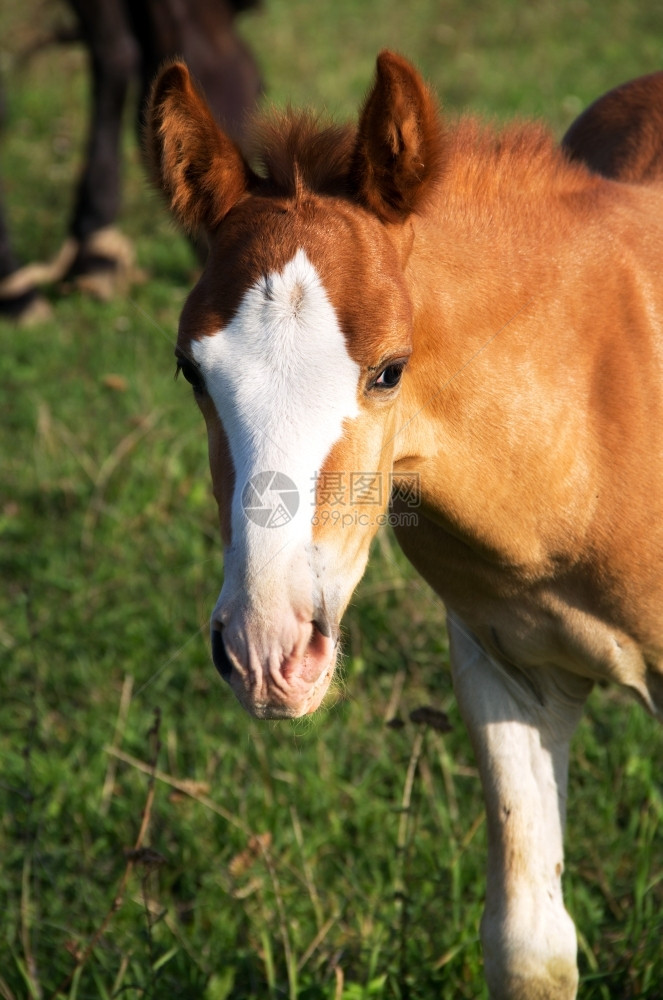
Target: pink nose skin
[{"x": 279, "y": 685}]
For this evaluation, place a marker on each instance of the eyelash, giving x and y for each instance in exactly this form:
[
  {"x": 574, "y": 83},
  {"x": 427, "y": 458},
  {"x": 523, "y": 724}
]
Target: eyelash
[
  {"x": 396, "y": 369},
  {"x": 192, "y": 374}
]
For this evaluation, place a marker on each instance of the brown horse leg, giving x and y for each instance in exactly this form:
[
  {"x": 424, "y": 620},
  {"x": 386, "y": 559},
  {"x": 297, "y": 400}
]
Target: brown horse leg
[
  {"x": 208, "y": 42},
  {"x": 219, "y": 60},
  {"x": 114, "y": 62}
]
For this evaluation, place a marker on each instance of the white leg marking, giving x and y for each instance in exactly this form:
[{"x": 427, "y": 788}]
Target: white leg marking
[{"x": 522, "y": 747}]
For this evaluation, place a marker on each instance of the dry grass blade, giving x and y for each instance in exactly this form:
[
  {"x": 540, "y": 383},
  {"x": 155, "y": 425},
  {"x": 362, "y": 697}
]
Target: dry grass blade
[
  {"x": 26, "y": 936},
  {"x": 317, "y": 941},
  {"x": 189, "y": 788},
  {"x": 5, "y": 991},
  {"x": 134, "y": 855},
  {"x": 121, "y": 451},
  {"x": 308, "y": 871},
  {"x": 120, "y": 723}
]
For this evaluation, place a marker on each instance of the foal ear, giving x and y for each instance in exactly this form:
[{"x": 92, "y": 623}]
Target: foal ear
[
  {"x": 399, "y": 151},
  {"x": 200, "y": 170}
]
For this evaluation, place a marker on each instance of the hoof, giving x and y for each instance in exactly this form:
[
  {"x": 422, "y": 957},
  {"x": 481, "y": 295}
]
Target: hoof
[
  {"x": 21, "y": 303},
  {"x": 104, "y": 266}
]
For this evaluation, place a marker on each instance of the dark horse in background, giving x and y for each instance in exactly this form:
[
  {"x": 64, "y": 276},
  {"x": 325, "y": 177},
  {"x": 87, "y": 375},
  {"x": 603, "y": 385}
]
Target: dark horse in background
[{"x": 127, "y": 41}]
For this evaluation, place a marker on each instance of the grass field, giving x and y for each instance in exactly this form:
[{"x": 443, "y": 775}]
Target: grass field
[{"x": 335, "y": 859}]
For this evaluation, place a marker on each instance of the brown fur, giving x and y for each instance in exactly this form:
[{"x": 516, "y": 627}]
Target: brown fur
[
  {"x": 196, "y": 164},
  {"x": 297, "y": 151},
  {"x": 525, "y": 291},
  {"x": 621, "y": 134},
  {"x": 505, "y": 242},
  {"x": 400, "y": 146}
]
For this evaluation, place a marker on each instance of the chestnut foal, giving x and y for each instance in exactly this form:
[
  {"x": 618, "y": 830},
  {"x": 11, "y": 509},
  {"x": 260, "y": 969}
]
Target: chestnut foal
[{"x": 403, "y": 301}]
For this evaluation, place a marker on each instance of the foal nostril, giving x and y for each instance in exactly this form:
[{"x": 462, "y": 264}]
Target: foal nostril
[
  {"x": 326, "y": 627},
  {"x": 323, "y": 626},
  {"x": 220, "y": 654}
]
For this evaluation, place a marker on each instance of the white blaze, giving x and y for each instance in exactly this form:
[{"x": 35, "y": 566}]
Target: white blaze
[{"x": 283, "y": 384}]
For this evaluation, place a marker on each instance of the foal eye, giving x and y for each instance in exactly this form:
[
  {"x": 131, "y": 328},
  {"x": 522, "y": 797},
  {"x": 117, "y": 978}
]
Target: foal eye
[
  {"x": 390, "y": 376},
  {"x": 191, "y": 373}
]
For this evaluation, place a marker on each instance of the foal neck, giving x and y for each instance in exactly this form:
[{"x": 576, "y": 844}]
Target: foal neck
[{"x": 487, "y": 415}]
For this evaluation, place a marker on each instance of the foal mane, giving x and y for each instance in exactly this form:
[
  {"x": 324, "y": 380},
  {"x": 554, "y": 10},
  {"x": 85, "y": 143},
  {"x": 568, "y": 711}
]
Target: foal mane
[
  {"x": 300, "y": 151},
  {"x": 522, "y": 158},
  {"x": 514, "y": 176}
]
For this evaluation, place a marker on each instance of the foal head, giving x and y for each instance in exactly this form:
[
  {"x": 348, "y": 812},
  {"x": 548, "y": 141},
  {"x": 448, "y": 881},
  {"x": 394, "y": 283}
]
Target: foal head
[{"x": 296, "y": 341}]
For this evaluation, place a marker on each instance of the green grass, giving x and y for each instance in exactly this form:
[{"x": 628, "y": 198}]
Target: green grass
[{"x": 285, "y": 860}]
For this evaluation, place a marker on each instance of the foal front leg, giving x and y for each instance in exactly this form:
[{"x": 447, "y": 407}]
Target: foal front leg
[{"x": 521, "y": 734}]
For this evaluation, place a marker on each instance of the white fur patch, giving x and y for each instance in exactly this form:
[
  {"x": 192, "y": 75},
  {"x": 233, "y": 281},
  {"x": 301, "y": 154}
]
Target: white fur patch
[{"x": 283, "y": 384}]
